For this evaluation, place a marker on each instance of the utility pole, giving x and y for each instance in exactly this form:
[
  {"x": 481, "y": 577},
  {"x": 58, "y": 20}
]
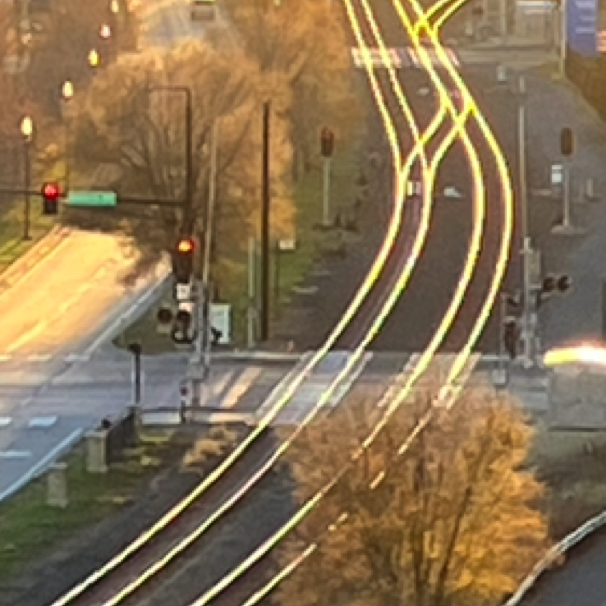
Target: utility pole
[
  {"x": 265, "y": 227},
  {"x": 202, "y": 346}
]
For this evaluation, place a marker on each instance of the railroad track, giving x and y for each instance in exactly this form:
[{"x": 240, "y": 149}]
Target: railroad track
[{"x": 144, "y": 588}]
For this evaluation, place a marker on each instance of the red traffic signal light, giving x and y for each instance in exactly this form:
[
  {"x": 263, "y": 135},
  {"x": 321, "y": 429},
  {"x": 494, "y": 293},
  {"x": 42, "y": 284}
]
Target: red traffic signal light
[
  {"x": 51, "y": 192},
  {"x": 327, "y": 142}
]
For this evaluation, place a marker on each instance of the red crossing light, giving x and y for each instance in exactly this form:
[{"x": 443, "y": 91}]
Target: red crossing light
[{"x": 51, "y": 192}]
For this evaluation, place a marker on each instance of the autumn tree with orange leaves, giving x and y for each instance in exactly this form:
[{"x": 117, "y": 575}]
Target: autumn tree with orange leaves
[
  {"x": 305, "y": 46},
  {"x": 453, "y": 521}
]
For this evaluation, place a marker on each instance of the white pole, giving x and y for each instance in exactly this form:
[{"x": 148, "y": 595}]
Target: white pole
[
  {"x": 326, "y": 192},
  {"x": 252, "y": 291},
  {"x": 203, "y": 300},
  {"x": 501, "y": 345},
  {"x": 503, "y": 20},
  {"x": 527, "y": 248},
  {"x": 566, "y": 210}
]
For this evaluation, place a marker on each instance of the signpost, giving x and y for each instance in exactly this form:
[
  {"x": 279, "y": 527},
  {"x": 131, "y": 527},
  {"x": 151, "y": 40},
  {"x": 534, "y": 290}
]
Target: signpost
[{"x": 92, "y": 199}]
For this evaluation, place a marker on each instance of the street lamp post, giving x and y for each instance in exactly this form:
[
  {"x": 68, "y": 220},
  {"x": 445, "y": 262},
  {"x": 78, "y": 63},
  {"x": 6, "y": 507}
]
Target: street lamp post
[
  {"x": 188, "y": 213},
  {"x": 27, "y": 129},
  {"x": 93, "y": 58},
  {"x": 67, "y": 92}
]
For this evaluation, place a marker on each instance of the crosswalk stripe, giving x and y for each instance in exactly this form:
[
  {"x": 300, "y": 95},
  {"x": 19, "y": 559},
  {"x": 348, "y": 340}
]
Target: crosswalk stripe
[
  {"x": 230, "y": 399},
  {"x": 400, "y": 57}
]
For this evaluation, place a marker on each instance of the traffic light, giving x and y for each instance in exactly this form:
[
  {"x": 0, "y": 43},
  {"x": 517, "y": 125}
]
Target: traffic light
[
  {"x": 553, "y": 285},
  {"x": 51, "y": 192},
  {"x": 511, "y": 337},
  {"x": 327, "y": 142},
  {"x": 183, "y": 260},
  {"x": 567, "y": 141},
  {"x": 182, "y": 332}
]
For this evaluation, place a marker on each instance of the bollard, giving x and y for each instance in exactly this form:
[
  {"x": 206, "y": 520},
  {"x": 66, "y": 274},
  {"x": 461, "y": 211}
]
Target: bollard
[
  {"x": 96, "y": 452},
  {"x": 56, "y": 487},
  {"x": 501, "y": 74}
]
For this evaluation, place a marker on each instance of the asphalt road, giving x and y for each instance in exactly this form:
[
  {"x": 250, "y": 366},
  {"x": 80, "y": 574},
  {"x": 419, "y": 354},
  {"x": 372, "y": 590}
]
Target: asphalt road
[
  {"x": 421, "y": 307},
  {"x": 57, "y": 317}
]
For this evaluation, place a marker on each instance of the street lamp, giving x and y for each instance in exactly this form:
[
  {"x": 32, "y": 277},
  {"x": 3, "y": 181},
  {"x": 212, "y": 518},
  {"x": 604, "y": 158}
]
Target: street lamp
[
  {"x": 67, "y": 92},
  {"x": 114, "y": 7},
  {"x": 93, "y": 58},
  {"x": 27, "y": 130}
]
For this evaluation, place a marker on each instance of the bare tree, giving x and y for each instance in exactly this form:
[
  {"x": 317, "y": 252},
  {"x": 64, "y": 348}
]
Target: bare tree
[
  {"x": 453, "y": 521},
  {"x": 137, "y": 134}
]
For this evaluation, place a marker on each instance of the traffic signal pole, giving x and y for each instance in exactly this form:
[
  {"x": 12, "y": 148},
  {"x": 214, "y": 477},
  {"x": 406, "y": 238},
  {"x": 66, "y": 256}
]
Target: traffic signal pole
[{"x": 202, "y": 345}]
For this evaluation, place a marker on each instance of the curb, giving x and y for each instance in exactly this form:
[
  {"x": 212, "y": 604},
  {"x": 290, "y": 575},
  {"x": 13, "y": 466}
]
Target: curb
[
  {"x": 257, "y": 356},
  {"x": 32, "y": 257}
]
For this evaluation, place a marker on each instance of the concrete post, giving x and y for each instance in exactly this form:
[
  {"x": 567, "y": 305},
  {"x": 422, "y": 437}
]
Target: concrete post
[
  {"x": 96, "y": 455},
  {"x": 56, "y": 493}
]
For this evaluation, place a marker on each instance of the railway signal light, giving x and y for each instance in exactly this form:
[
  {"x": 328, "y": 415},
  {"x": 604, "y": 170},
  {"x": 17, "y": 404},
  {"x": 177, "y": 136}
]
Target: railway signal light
[
  {"x": 567, "y": 141},
  {"x": 183, "y": 260},
  {"x": 553, "y": 285},
  {"x": 182, "y": 332},
  {"x": 51, "y": 192},
  {"x": 327, "y": 142}
]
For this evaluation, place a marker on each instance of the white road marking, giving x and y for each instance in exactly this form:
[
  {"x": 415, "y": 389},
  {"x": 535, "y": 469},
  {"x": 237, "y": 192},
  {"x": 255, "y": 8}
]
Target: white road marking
[
  {"x": 218, "y": 386},
  {"x": 241, "y": 387},
  {"x": 15, "y": 454},
  {"x": 39, "y": 358},
  {"x": 5, "y": 421},
  {"x": 42, "y": 422}
]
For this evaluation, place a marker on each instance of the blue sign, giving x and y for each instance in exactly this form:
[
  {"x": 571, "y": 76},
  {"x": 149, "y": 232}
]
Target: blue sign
[{"x": 581, "y": 26}]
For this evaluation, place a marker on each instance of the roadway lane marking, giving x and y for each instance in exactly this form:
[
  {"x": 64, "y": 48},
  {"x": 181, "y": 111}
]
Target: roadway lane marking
[
  {"x": 37, "y": 266},
  {"x": 241, "y": 387},
  {"x": 39, "y": 358},
  {"x": 27, "y": 337},
  {"x": 15, "y": 454},
  {"x": 5, "y": 421},
  {"x": 42, "y": 422}
]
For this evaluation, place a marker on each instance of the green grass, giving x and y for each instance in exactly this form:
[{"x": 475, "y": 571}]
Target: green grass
[
  {"x": 293, "y": 266},
  {"x": 12, "y": 243},
  {"x": 29, "y": 528}
]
